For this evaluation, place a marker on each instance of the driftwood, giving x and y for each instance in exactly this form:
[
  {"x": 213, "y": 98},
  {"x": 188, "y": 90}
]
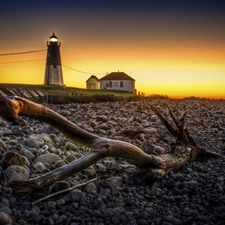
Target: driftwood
[
  {"x": 158, "y": 166},
  {"x": 63, "y": 191}
]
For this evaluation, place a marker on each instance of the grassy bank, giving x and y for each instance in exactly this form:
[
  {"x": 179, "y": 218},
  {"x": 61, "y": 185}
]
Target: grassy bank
[{"x": 83, "y": 91}]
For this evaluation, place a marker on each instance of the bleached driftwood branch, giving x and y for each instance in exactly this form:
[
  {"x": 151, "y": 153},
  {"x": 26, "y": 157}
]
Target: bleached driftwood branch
[{"x": 11, "y": 107}]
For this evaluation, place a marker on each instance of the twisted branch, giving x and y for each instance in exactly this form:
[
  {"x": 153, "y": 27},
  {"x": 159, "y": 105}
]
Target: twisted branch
[{"x": 100, "y": 147}]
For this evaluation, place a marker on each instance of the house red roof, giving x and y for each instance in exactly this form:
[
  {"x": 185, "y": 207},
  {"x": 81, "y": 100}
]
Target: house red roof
[
  {"x": 117, "y": 76},
  {"x": 92, "y": 76}
]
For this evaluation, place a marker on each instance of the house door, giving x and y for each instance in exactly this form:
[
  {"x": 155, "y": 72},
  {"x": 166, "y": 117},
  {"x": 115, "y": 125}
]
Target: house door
[{"x": 92, "y": 86}]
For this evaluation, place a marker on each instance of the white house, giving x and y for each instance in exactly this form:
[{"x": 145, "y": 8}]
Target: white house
[
  {"x": 117, "y": 81},
  {"x": 92, "y": 82}
]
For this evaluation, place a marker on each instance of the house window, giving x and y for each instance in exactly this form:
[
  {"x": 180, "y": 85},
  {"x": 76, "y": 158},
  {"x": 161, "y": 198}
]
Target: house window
[
  {"x": 116, "y": 84},
  {"x": 121, "y": 84},
  {"x": 110, "y": 83}
]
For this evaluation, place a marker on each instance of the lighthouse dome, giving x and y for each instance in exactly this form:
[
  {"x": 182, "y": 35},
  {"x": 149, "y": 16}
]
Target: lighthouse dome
[{"x": 53, "y": 38}]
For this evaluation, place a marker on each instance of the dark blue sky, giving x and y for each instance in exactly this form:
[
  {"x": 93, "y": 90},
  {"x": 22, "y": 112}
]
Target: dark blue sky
[
  {"x": 115, "y": 5},
  {"x": 164, "y": 20},
  {"x": 29, "y": 18}
]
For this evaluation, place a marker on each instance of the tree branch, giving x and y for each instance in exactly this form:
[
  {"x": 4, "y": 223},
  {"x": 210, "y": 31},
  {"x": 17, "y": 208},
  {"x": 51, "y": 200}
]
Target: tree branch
[{"x": 100, "y": 147}]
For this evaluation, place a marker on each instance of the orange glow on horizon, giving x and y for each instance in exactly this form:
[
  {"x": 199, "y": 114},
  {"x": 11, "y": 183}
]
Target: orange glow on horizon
[{"x": 177, "y": 70}]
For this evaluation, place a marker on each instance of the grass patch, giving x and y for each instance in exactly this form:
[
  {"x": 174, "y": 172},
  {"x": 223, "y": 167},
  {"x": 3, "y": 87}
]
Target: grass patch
[{"x": 70, "y": 90}]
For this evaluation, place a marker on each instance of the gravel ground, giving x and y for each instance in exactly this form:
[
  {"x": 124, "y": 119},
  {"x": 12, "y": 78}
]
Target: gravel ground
[{"x": 121, "y": 194}]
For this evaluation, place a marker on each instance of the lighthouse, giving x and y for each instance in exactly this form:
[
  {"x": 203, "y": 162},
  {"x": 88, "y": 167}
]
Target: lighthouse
[{"x": 53, "y": 69}]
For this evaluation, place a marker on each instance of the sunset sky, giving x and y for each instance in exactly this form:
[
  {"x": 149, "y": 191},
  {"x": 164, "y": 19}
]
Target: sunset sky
[{"x": 170, "y": 47}]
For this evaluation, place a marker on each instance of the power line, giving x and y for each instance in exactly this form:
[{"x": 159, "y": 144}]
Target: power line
[
  {"x": 83, "y": 71},
  {"x": 21, "y": 61},
  {"x": 28, "y": 52},
  {"x": 45, "y": 59},
  {"x": 18, "y": 53}
]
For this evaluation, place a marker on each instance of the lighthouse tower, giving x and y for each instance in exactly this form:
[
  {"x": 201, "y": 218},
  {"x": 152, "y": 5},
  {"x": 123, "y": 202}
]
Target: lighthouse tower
[{"x": 53, "y": 70}]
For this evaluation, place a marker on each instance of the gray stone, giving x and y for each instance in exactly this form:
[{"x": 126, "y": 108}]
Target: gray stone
[
  {"x": 192, "y": 183},
  {"x": 119, "y": 209},
  {"x": 56, "y": 140},
  {"x": 2, "y": 144},
  {"x": 71, "y": 146},
  {"x": 142, "y": 221},
  {"x": 88, "y": 128},
  {"x": 34, "y": 212},
  {"x": 128, "y": 214},
  {"x": 150, "y": 131},
  {"x": 99, "y": 204},
  {"x": 102, "y": 132},
  {"x": 2, "y": 123},
  {"x": 34, "y": 142},
  {"x": 60, "y": 185},
  {"x": 150, "y": 148},
  {"x": 70, "y": 158},
  {"x": 45, "y": 137},
  {"x": 34, "y": 151},
  {"x": 27, "y": 153},
  {"x": 51, "y": 130},
  {"x": 77, "y": 196},
  {"x": 5, "y": 201},
  {"x": 159, "y": 150},
  {"x": 38, "y": 130},
  {"x": 21, "y": 121},
  {"x": 6, "y": 209},
  {"x": 49, "y": 158},
  {"x": 102, "y": 126},
  {"x": 90, "y": 172},
  {"x": 39, "y": 167},
  {"x": 5, "y": 130},
  {"x": 16, "y": 173},
  {"x": 59, "y": 163},
  {"x": 45, "y": 147},
  {"x": 13, "y": 158},
  {"x": 100, "y": 167},
  {"x": 116, "y": 181},
  {"x": 105, "y": 192},
  {"x": 5, "y": 219},
  {"x": 102, "y": 118},
  {"x": 91, "y": 188},
  {"x": 55, "y": 151}
]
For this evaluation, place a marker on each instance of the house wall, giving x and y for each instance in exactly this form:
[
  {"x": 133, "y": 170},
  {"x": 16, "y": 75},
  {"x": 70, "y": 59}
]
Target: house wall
[
  {"x": 92, "y": 83},
  {"x": 127, "y": 85}
]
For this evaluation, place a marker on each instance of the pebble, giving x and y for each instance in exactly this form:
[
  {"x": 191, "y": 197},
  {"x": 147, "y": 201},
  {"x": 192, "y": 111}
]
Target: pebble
[
  {"x": 91, "y": 188},
  {"x": 60, "y": 185},
  {"x": 39, "y": 167},
  {"x": 70, "y": 158},
  {"x": 59, "y": 163},
  {"x": 49, "y": 158},
  {"x": 34, "y": 142},
  {"x": 6, "y": 209},
  {"x": 71, "y": 146},
  {"x": 5, "y": 219},
  {"x": 25, "y": 152},
  {"x": 76, "y": 196},
  {"x": 13, "y": 158},
  {"x": 2, "y": 144},
  {"x": 16, "y": 173}
]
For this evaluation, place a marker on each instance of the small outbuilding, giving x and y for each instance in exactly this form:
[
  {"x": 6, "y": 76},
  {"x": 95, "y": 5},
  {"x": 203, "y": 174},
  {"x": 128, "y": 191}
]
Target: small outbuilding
[
  {"x": 92, "y": 82},
  {"x": 117, "y": 81}
]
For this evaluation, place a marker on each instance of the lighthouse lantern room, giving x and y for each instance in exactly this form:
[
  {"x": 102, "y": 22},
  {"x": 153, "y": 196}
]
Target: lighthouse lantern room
[{"x": 53, "y": 69}]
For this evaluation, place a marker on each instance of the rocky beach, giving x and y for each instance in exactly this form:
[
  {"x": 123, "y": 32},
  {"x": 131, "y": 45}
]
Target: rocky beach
[{"x": 112, "y": 191}]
